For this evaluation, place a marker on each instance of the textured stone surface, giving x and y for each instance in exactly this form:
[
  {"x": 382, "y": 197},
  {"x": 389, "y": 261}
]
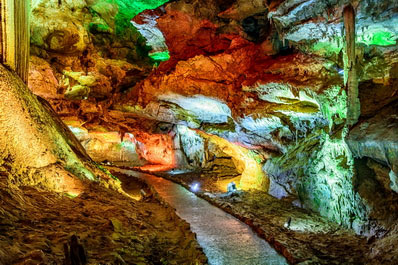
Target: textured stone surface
[
  {"x": 135, "y": 148},
  {"x": 146, "y": 23},
  {"x": 113, "y": 228},
  {"x": 382, "y": 251},
  {"x": 91, "y": 54},
  {"x": 377, "y": 138},
  {"x": 287, "y": 116},
  {"x": 35, "y": 143},
  {"x": 311, "y": 161}
]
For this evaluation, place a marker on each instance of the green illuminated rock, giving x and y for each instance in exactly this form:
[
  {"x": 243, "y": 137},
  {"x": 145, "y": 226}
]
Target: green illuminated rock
[{"x": 160, "y": 56}]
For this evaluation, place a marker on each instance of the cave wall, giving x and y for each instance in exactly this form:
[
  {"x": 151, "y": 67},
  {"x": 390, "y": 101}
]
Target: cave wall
[
  {"x": 84, "y": 56},
  {"x": 291, "y": 109},
  {"x": 87, "y": 48},
  {"x": 257, "y": 81}
]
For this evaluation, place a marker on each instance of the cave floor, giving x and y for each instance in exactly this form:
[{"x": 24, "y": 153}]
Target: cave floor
[
  {"x": 114, "y": 229},
  {"x": 309, "y": 237},
  {"x": 224, "y": 239}
]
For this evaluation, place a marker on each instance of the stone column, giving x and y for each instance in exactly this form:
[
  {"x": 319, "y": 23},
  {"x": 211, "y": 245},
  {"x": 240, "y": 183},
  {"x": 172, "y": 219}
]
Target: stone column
[
  {"x": 353, "y": 104},
  {"x": 15, "y": 36}
]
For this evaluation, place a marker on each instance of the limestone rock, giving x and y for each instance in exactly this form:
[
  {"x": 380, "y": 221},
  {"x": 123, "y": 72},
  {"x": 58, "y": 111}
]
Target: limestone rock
[{"x": 377, "y": 138}]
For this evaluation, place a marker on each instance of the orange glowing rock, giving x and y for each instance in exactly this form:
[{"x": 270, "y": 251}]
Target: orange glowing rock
[
  {"x": 157, "y": 149},
  {"x": 156, "y": 168}
]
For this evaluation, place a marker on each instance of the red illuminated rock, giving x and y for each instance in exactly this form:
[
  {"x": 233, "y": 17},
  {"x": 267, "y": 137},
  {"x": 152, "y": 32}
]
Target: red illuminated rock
[{"x": 156, "y": 148}]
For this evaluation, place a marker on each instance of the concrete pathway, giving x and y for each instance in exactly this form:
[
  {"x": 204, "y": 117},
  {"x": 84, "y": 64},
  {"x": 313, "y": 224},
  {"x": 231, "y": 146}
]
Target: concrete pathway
[{"x": 224, "y": 239}]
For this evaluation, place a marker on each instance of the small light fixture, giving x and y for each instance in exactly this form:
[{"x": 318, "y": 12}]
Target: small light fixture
[
  {"x": 195, "y": 187},
  {"x": 288, "y": 222}
]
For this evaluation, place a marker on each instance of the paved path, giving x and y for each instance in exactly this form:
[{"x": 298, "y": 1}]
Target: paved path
[{"x": 224, "y": 239}]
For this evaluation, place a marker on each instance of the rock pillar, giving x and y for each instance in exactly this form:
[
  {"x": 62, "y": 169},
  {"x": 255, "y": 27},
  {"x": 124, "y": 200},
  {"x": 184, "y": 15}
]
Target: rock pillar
[
  {"x": 14, "y": 37},
  {"x": 353, "y": 104}
]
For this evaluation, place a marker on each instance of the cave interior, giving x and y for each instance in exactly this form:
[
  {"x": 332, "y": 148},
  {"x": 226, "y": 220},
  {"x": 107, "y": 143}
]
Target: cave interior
[{"x": 188, "y": 131}]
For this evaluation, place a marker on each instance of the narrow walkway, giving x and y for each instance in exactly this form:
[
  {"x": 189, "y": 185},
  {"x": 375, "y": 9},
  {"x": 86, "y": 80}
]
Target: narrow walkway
[{"x": 224, "y": 239}]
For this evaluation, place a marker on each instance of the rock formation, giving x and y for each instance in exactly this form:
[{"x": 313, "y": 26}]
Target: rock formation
[
  {"x": 50, "y": 188},
  {"x": 297, "y": 97},
  {"x": 353, "y": 108},
  {"x": 14, "y": 48}
]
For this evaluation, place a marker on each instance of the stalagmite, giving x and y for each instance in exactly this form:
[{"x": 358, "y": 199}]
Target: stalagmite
[
  {"x": 353, "y": 104},
  {"x": 35, "y": 144}
]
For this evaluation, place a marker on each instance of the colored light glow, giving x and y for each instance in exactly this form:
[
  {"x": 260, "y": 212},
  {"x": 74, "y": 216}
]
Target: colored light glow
[
  {"x": 72, "y": 195},
  {"x": 157, "y": 149},
  {"x": 156, "y": 168},
  {"x": 328, "y": 48},
  {"x": 129, "y": 9},
  {"x": 381, "y": 37},
  {"x": 247, "y": 162},
  {"x": 195, "y": 187},
  {"x": 327, "y": 39},
  {"x": 160, "y": 56}
]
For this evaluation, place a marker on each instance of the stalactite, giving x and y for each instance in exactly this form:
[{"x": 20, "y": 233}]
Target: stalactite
[
  {"x": 15, "y": 37},
  {"x": 353, "y": 104}
]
